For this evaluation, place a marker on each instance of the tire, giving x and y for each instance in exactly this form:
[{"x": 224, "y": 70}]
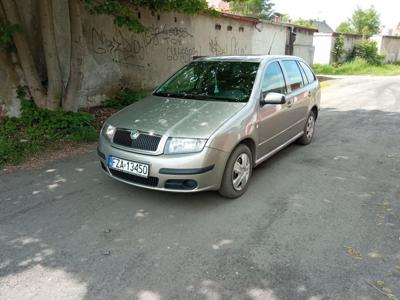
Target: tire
[
  {"x": 309, "y": 130},
  {"x": 229, "y": 187}
]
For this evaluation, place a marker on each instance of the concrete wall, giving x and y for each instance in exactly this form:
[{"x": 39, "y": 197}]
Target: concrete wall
[
  {"x": 324, "y": 44},
  {"x": 268, "y": 38},
  {"x": 123, "y": 58},
  {"x": 350, "y": 40},
  {"x": 389, "y": 46},
  {"x": 303, "y": 45}
]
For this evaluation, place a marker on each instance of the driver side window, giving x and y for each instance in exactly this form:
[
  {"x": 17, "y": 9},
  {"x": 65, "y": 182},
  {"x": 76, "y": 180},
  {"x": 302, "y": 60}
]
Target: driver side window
[{"x": 273, "y": 80}]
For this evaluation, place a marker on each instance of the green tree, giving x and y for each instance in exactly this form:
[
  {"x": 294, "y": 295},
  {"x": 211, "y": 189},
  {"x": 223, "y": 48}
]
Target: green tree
[
  {"x": 54, "y": 94},
  {"x": 262, "y": 9},
  {"x": 286, "y": 18},
  {"x": 366, "y": 22},
  {"x": 305, "y": 23},
  {"x": 345, "y": 27}
]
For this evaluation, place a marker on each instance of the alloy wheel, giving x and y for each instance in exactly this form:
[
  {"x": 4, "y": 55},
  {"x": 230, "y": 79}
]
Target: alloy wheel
[
  {"x": 241, "y": 172},
  {"x": 310, "y": 127}
]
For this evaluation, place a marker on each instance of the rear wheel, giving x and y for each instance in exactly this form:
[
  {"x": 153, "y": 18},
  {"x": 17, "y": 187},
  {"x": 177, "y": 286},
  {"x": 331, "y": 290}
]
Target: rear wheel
[
  {"x": 237, "y": 173},
  {"x": 309, "y": 130}
]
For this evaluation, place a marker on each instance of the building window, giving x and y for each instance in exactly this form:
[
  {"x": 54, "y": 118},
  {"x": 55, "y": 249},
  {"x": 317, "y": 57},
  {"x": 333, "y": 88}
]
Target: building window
[
  {"x": 217, "y": 27},
  {"x": 175, "y": 19},
  {"x": 138, "y": 15},
  {"x": 158, "y": 17},
  {"x": 229, "y": 28},
  {"x": 241, "y": 29}
]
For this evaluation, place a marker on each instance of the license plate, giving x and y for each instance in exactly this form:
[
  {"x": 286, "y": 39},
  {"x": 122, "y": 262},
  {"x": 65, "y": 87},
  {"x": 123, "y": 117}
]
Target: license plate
[{"x": 128, "y": 166}]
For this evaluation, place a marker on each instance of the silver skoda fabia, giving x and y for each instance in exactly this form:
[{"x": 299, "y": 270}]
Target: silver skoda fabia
[{"x": 211, "y": 123}]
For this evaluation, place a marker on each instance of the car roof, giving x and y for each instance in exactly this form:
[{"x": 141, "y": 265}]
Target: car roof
[{"x": 246, "y": 58}]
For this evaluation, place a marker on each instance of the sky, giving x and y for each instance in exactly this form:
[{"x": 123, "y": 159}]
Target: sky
[{"x": 336, "y": 11}]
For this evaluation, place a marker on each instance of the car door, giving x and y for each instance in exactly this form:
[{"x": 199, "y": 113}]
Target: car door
[
  {"x": 272, "y": 119},
  {"x": 297, "y": 98}
]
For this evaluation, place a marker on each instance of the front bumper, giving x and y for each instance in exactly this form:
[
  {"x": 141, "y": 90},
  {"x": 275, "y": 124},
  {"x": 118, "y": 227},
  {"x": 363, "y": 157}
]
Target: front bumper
[{"x": 205, "y": 168}]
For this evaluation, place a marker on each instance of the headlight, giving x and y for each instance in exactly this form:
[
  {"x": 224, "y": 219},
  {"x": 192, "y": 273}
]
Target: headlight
[
  {"x": 109, "y": 132},
  {"x": 181, "y": 145}
]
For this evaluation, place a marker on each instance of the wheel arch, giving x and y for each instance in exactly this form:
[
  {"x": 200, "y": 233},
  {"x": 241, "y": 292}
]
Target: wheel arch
[
  {"x": 249, "y": 142},
  {"x": 315, "y": 110}
]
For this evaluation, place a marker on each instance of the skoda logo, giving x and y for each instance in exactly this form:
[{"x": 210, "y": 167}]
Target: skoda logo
[{"x": 134, "y": 134}]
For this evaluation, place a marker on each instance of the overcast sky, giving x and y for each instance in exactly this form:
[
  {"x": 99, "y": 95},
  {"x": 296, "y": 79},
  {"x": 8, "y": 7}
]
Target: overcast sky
[{"x": 336, "y": 11}]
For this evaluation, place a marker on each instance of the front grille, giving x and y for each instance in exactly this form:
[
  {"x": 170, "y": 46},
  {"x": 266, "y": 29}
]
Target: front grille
[
  {"x": 150, "y": 181},
  {"x": 142, "y": 142}
]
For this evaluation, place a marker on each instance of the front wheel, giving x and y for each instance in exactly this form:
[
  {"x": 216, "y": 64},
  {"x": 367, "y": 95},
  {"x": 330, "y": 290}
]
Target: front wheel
[
  {"x": 237, "y": 173},
  {"x": 309, "y": 130}
]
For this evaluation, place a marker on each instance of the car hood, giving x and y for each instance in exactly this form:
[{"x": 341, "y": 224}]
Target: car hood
[{"x": 175, "y": 117}]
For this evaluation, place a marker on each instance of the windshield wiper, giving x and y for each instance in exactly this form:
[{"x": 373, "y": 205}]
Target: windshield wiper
[
  {"x": 221, "y": 98},
  {"x": 198, "y": 97},
  {"x": 163, "y": 94},
  {"x": 176, "y": 95}
]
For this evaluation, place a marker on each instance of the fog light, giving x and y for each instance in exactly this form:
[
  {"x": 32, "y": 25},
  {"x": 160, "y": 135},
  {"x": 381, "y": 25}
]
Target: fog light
[
  {"x": 190, "y": 184},
  {"x": 180, "y": 184}
]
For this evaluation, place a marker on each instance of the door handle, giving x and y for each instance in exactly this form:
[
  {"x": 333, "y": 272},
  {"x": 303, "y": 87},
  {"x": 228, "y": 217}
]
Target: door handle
[{"x": 309, "y": 94}]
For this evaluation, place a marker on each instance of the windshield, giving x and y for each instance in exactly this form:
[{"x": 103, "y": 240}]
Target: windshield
[{"x": 212, "y": 81}]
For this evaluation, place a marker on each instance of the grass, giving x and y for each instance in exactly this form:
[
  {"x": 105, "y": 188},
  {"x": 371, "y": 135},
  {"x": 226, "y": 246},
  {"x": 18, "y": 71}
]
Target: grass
[
  {"x": 358, "y": 67},
  {"x": 37, "y": 130},
  {"x": 124, "y": 98}
]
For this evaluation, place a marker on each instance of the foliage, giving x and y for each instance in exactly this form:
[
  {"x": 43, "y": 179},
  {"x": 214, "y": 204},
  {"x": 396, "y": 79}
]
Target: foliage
[
  {"x": 38, "y": 128},
  {"x": 365, "y": 22},
  {"x": 6, "y": 32},
  {"x": 338, "y": 49},
  {"x": 262, "y": 9},
  {"x": 286, "y": 18},
  {"x": 124, "y": 98},
  {"x": 367, "y": 50},
  {"x": 344, "y": 27},
  {"x": 358, "y": 66},
  {"x": 124, "y": 16},
  {"x": 305, "y": 23}
]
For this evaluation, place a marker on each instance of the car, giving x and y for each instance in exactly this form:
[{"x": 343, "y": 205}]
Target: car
[{"x": 211, "y": 123}]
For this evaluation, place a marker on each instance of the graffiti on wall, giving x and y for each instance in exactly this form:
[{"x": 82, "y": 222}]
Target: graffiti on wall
[
  {"x": 173, "y": 43},
  {"x": 231, "y": 47},
  {"x": 133, "y": 48}
]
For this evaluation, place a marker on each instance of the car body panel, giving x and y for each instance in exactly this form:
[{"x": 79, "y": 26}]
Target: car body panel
[{"x": 175, "y": 117}]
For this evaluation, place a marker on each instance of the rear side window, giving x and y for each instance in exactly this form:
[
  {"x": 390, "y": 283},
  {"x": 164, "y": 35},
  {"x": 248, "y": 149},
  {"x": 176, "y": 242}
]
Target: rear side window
[
  {"x": 295, "y": 81},
  {"x": 309, "y": 74},
  {"x": 305, "y": 80},
  {"x": 273, "y": 80}
]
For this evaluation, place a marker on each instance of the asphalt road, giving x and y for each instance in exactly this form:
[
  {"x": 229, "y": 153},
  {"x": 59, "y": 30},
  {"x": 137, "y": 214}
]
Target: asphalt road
[{"x": 318, "y": 222}]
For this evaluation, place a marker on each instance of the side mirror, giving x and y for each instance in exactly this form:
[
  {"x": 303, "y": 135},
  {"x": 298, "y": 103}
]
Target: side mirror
[{"x": 273, "y": 98}]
